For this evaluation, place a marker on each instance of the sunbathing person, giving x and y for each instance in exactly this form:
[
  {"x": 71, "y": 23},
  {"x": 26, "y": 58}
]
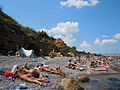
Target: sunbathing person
[
  {"x": 74, "y": 66},
  {"x": 33, "y": 72},
  {"x": 71, "y": 65},
  {"x": 52, "y": 70},
  {"x": 93, "y": 64},
  {"x": 30, "y": 75}
]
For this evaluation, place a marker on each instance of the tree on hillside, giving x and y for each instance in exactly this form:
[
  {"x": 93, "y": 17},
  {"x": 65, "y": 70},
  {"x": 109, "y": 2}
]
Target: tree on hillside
[
  {"x": 1, "y": 8},
  {"x": 74, "y": 47}
]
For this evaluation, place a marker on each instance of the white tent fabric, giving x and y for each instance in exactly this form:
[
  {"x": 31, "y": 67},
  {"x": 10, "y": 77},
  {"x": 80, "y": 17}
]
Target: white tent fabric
[{"x": 28, "y": 53}]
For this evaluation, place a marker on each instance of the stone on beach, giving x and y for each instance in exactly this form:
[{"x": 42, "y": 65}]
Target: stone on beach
[
  {"x": 113, "y": 79},
  {"x": 71, "y": 84},
  {"x": 83, "y": 79}
]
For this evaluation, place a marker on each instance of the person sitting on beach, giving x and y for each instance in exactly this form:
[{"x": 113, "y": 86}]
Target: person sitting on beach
[
  {"x": 93, "y": 64},
  {"x": 30, "y": 75},
  {"x": 69, "y": 64},
  {"x": 52, "y": 70},
  {"x": 17, "y": 54},
  {"x": 78, "y": 59},
  {"x": 51, "y": 55}
]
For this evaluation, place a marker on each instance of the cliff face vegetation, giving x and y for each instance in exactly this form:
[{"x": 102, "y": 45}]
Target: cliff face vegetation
[{"x": 14, "y": 36}]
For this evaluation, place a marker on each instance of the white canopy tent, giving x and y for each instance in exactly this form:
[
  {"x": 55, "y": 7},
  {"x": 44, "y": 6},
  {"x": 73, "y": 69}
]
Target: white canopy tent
[{"x": 27, "y": 53}]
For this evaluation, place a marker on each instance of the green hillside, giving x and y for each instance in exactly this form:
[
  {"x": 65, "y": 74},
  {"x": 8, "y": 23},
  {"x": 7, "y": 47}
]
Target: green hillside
[{"x": 12, "y": 34}]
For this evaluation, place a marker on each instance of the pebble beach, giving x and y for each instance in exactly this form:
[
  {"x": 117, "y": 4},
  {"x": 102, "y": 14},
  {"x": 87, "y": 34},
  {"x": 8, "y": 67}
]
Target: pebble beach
[{"x": 97, "y": 82}]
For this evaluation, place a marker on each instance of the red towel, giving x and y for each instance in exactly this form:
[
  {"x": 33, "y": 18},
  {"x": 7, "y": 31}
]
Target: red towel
[{"x": 9, "y": 74}]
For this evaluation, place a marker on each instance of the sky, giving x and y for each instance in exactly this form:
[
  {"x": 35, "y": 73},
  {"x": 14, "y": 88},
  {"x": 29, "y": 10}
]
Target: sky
[{"x": 89, "y": 25}]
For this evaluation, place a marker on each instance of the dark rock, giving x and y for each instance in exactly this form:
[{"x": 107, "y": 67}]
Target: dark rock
[
  {"x": 83, "y": 79},
  {"x": 113, "y": 79}
]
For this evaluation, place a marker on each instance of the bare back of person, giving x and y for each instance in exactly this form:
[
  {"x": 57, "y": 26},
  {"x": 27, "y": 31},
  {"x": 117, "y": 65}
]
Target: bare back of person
[{"x": 30, "y": 76}]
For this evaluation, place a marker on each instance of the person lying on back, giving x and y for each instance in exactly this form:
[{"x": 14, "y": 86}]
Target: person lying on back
[
  {"x": 74, "y": 66},
  {"x": 52, "y": 70}
]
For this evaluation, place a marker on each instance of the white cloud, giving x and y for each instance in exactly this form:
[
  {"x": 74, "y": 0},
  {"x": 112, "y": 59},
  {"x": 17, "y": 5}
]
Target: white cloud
[
  {"x": 105, "y": 41},
  {"x": 59, "y": 36},
  {"x": 93, "y": 2},
  {"x": 117, "y": 36},
  {"x": 79, "y": 3},
  {"x": 69, "y": 40},
  {"x": 105, "y": 36},
  {"x": 97, "y": 41},
  {"x": 85, "y": 45},
  {"x": 64, "y": 30}
]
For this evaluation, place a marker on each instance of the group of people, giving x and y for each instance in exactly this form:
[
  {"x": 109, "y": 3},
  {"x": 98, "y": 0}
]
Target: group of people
[
  {"x": 90, "y": 61},
  {"x": 33, "y": 75},
  {"x": 29, "y": 75}
]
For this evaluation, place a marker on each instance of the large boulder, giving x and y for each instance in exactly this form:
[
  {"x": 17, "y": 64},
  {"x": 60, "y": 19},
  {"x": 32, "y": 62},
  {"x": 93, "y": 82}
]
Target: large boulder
[
  {"x": 113, "y": 79},
  {"x": 71, "y": 84},
  {"x": 83, "y": 79}
]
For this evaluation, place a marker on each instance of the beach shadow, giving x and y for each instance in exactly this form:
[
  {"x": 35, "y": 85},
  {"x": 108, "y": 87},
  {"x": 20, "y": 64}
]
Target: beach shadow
[{"x": 1, "y": 72}]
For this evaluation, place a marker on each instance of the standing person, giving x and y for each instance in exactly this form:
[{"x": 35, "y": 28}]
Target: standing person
[
  {"x": 53, "y": 53},
  {"x": 41, "y": 52}
]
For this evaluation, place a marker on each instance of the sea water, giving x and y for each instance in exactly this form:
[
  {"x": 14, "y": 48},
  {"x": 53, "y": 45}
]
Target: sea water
[{"x": 118, "y": 63}]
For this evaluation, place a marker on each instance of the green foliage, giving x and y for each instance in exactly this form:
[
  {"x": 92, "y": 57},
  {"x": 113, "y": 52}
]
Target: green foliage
[
  {"x": 71, "y": 50},
  {"x": 74, "y": 47},
  {"x": 30, "y": 30},
  {"x": 1, "y": 8},
  {"x": 97, "y": 54}
]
